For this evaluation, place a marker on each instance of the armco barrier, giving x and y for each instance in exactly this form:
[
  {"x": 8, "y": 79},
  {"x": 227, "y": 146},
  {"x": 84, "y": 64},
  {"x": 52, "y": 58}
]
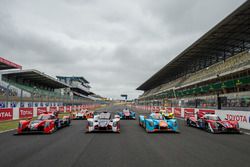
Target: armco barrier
[
  {"x": 243, "y": 117},
  {"x": 26, "y": 112}
]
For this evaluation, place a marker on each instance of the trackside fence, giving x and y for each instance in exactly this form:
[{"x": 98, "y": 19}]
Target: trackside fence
[{"x": 26, "y": 112}]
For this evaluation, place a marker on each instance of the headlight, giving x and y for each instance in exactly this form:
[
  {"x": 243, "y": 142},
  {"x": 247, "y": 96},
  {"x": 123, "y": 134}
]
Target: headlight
[
  {"x": 151, "y": 123},
  {"x": 214, "y": 124},
  {"x": 237, "y": 126},
  {"x": 19, "y": 125},
  {"x": 46, "y": 124},
  {"x": 90, "y": 123},
  {"x": 114, "y": 124}
]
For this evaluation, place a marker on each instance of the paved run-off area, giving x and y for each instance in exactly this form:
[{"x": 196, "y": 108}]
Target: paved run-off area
[{"x": 72, "y": 147}]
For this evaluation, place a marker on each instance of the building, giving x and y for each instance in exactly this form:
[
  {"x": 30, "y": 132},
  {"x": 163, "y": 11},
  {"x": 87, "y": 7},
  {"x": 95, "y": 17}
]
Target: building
[{"x": 214, "y": 72}]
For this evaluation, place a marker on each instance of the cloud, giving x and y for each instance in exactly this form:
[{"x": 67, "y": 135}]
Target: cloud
[{"x": 116, "y": 45}]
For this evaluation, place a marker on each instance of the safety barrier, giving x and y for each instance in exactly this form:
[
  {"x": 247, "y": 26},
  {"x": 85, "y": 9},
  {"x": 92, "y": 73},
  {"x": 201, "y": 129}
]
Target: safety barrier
[
  {"x": 243, "y": 117},
  {"x": 26, "y": 112}
]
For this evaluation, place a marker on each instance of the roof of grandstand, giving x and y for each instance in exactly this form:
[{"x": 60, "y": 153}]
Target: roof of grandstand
[
  {"x": 81, "y": 91},
  {"x": 227, "y": 38},
  {"x": 34, "y": 76},
  {"x": 81, "y": 79},
  {"x": 6, "y": 64}
]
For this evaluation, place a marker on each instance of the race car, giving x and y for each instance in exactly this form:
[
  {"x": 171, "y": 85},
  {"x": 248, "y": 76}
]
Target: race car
[
  {"x": 103, "y": 122},
  {"x": 45, "y": 123},
  {"x": 83, "y": 114},
  {"x": 156, "y": 122},
  {"x": 126, "y": 114},
  {"x": 213, "y": 124}
]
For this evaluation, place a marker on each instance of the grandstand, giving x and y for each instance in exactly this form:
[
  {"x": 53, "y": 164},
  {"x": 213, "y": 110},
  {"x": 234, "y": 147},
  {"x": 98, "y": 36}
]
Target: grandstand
[
  {"x": 214, "y": 72},
  {"x": 32, "y": 88}
]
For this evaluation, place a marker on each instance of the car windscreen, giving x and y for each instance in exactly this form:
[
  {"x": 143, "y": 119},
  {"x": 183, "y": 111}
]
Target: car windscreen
[
  {"x": 214, "y": 118},
  {"x": 44, "y": 117},
  {"x": 104, "y": 116},
  {"x": 157, "y": 116}
]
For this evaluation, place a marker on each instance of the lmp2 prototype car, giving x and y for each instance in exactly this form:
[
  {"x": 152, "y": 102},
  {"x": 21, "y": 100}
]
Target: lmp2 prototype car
[
  {"x": 45, "y": 123},
  {"x": 103, "y": 122},
  {"x": 156, "y": 122},
  {"x": 127, "y": 114},
  {"x": 83, "y": 114},
  {"x": 212, "y": 123}
]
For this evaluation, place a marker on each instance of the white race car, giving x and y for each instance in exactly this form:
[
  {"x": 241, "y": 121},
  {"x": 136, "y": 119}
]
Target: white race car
[{"x": 104, "y": 122}]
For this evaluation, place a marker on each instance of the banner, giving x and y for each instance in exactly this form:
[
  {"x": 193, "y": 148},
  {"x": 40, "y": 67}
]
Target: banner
[
  {"x": 177, "y": 112},
  {"x": 6, "y": 114},
  {"x": 243, "y": 117},
  {"x": 169, "y": 110},
  {"x": 188, "y": 112},
  {"x": 25, "y": 112},
  {"x": 41, "y": 110},
  {"x": 61, "y": 109},
  {"x": 67, "y": 108},
  {"x": 201, "y": 112},
  {"x": 52, "y": 109}
]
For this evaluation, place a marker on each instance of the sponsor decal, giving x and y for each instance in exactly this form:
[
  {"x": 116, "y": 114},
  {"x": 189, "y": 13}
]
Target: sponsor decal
[
  {"x": 6, "y": 114},
  {"x": 25, "y": 112},
  {"x": 41, "y": 110},
  {"x": 239, "y": 118}
]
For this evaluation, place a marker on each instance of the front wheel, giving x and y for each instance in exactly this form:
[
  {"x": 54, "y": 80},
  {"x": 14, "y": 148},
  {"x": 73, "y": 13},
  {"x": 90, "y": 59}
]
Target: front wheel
[
  {"x": 139, "y": 122},
  {"x": 207, "y": 128}
]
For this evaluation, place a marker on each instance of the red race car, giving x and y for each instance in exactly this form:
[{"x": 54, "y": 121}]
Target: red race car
[
  {"x": 212, "y": 123},
  {"x": 45, "y": 123},
  {"x": 83, "y": 114}
]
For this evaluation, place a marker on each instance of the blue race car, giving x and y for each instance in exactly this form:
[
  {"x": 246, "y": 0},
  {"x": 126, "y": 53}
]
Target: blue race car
[
  {"x": 126, "y": 114},
  {"x": 156, "y": 122}
]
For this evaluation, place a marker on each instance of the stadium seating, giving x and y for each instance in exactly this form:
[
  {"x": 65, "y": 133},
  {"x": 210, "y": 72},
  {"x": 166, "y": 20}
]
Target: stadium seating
[
  {"x": 231, "y": 64},
  {"x": 236, "y": 62}
]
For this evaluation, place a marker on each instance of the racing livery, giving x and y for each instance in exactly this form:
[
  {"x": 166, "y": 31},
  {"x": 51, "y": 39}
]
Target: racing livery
[
  {"x": 104, "y": 122},
  {"x": 212, "y": 123},
  {"x": 157, "y": 122},
  {"x": 45, "y": 123},
  {"x": 83, "y": 114},
  {"x": 127, "y": 114}
]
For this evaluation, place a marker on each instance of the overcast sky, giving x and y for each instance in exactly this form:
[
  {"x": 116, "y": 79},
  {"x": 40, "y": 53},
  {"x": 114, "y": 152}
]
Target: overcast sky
[{"x": 116, "y": 45}]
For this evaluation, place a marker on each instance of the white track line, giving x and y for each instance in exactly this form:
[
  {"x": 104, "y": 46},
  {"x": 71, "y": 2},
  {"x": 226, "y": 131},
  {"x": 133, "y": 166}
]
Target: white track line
[{"x": 7, "y": 131}]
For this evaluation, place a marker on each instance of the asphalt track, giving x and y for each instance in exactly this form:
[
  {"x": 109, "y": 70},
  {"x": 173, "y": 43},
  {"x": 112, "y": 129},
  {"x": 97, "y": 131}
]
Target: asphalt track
[{"x": 133, "y": 147}]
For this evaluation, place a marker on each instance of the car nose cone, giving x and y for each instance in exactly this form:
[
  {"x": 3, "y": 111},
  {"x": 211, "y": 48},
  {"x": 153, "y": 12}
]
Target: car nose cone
[{"x": 103, "y": 123}]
